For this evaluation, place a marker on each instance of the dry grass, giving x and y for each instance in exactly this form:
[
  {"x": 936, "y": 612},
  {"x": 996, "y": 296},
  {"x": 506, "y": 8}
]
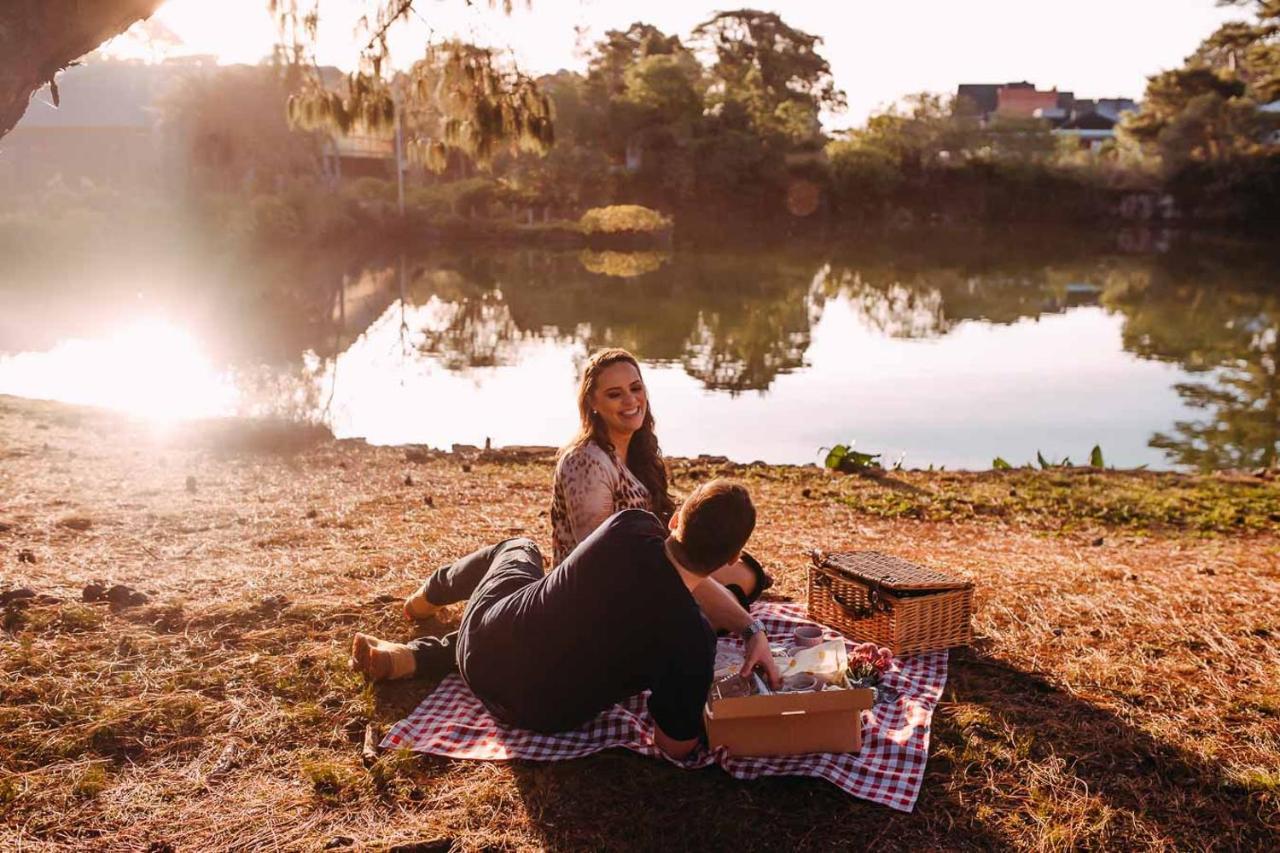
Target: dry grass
[{"x": 1123, "y": 693}]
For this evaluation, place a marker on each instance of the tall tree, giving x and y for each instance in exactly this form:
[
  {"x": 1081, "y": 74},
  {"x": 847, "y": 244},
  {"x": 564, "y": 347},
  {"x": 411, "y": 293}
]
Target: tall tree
[
  {"x": 640, "y": 77},
  {"x": 621, "y": 49},
  {"x": 1206, "y": 112},
  {"x": 769, "y": 70},
  {"x": 1195, "y": 114},
  {"x": 1252, "y": 48},
  {"x": 644, "y": 92},
  {"x": 575, "y": 174}
]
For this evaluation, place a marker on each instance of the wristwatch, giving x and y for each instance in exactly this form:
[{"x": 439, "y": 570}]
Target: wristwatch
[{"x": 753, "y": 628}]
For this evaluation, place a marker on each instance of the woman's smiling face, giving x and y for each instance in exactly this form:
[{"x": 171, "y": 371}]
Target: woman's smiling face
[{"x": 619, "y": 398}]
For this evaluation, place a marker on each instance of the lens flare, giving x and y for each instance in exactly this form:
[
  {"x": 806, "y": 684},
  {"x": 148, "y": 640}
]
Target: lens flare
[{"x": 151, "y": 368}]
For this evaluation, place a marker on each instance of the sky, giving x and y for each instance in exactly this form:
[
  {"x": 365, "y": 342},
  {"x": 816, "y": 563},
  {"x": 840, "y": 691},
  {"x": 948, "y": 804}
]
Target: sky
[{"x": 879, "y": 52}]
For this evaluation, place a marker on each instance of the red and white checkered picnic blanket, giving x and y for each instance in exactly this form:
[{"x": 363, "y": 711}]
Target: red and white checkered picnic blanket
[{"x": 888, "y": 770}]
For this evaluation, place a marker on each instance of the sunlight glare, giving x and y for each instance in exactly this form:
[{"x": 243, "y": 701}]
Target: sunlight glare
[{"x": 151, "y": 368}]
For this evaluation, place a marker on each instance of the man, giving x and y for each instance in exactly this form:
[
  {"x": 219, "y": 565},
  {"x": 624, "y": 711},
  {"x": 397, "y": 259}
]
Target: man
[{"x": 630, "y": 609}]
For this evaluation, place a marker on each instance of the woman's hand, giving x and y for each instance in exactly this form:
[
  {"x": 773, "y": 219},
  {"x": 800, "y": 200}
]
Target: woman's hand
[{"x": 757, "y": 654}]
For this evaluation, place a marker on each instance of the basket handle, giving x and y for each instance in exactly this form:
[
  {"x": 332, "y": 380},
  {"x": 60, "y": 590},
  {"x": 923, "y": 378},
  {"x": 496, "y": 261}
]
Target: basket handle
[{"x": 874, "y": 600}]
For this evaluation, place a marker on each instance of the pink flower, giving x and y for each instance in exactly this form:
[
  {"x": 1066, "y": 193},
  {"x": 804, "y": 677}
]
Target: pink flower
[
  {"x": 867, "y": 650},
  {"x": 882, "y": 664},
  {"x": 885, "y": 653}
]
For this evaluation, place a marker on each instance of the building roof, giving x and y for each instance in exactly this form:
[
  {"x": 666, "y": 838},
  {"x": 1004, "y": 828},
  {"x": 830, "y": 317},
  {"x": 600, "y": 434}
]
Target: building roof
[
  {"x": 1023, "y": 97},
  {"x": 987, "y": 95},
  {"x": 983, "y": 95}
]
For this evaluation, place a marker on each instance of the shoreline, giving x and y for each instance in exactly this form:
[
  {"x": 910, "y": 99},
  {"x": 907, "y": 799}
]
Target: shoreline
[
  {"x": 1057, "y": 498},
  {"x": 250, "y": 432}
]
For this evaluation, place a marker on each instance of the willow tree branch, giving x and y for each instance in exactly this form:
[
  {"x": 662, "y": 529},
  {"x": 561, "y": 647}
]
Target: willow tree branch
[{"x": 403, "y": 7}]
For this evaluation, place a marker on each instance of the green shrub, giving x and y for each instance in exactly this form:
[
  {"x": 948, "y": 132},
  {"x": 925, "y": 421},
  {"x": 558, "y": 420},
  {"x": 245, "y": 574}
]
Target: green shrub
[
  {"x": 623, "y": 217},
  {"x": 860, "y": 172}
]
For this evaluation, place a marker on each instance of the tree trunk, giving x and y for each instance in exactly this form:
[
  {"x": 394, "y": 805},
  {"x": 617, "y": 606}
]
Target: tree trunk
[{"x": 38, "y": 38}]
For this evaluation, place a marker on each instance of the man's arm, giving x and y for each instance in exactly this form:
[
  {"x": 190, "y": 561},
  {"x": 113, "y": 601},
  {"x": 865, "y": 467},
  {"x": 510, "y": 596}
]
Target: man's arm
[
  {"x": 720, "y": 607},
  {"x": 725, "y": 614}
]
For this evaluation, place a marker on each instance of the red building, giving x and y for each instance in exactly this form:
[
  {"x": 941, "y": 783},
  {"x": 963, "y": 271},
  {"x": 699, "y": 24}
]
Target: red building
[{"x": 1023, "y": 101}]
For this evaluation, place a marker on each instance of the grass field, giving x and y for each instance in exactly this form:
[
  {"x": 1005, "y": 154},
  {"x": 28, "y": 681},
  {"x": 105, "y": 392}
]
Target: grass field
[{"x": 1123, "y": 692}]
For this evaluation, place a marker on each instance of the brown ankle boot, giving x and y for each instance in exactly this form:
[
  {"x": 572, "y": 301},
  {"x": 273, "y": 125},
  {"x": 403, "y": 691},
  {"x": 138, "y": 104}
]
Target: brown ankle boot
[{"x": 379, "y": 660}]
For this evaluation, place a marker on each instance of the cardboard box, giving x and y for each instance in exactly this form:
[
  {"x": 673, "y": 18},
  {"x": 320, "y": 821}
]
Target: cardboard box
[{"x": 788, "y": 723}]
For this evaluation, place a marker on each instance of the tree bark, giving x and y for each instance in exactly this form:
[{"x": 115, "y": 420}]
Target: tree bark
[{"x": 38, "y": 38}]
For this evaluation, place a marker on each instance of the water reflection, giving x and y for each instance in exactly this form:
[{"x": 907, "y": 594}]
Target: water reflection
[
  {"x": 622, "y": 264},
  {"x": 733, "y": 322},
  {"x": 1227, "y": 339},
  {"x": 953, "y": 352},
  {"x": 150, "y": 368},
  {"x": 736, "y": 324}
]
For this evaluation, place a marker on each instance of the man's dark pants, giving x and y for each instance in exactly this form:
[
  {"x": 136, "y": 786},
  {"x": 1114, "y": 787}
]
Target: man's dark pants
[{"x": 485, "y": 579}]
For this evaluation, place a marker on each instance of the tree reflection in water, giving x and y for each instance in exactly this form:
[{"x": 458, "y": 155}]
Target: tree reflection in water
[
  {"x": 477, "y": 332},
  {"x": 736, "y": 320},
  {"x": 1220, "y": 321},
  {"x": 733, "y": 323}
]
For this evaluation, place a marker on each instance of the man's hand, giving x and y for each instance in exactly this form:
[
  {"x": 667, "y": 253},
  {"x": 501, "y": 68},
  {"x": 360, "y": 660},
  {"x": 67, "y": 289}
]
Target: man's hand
[
  {"x": 757, "y": 654},
  {"x": 724, "y": 612}
]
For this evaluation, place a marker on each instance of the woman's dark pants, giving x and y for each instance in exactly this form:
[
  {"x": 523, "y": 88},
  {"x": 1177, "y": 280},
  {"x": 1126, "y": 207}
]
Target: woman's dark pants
[{"x": 482, "y": 579}]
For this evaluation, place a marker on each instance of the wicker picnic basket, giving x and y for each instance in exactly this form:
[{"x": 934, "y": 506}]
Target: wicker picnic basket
[{"x": 872, "y": 597}]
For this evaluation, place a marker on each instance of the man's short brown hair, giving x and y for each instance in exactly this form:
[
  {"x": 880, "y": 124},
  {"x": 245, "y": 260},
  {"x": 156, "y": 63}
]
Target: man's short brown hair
[{"x": 714, "y": 523}]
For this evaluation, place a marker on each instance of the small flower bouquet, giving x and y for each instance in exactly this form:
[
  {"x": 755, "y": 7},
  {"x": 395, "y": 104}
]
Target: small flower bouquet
[{"x": 867, "y": 663}]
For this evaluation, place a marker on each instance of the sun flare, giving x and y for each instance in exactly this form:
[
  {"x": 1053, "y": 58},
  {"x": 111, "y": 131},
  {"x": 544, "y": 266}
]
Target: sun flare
[{"x": 150, "y": 368}]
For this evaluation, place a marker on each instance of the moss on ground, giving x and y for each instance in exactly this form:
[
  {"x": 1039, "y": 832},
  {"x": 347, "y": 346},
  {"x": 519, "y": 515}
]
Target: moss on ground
[{"x": 1072, "y": 499}]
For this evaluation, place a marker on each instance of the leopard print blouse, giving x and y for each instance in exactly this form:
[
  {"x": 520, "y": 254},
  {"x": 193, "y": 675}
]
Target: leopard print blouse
[{"x": 590, "y": 485}]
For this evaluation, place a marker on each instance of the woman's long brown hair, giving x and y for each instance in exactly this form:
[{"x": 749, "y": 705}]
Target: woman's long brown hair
[{"x": 644, "y": 457}]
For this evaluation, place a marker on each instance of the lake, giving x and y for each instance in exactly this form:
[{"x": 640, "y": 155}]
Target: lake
[{"x": 943, "y": 350}]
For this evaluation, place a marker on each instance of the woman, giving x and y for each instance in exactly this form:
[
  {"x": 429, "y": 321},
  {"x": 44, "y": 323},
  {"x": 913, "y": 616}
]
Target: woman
[{"x": 614, "y": 463}]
